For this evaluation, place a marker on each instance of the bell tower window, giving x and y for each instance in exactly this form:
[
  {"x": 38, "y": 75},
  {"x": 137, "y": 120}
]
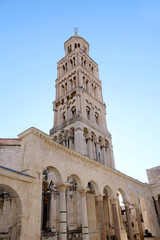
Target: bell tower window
[
  {"x": 73, "y": 111},
  {"x": 88, "y": 110},
  {"x": 71, "y": 62},
  {"x": 74, "y": 61},
  {"x": 97, "y": 118},
  {"x": 63, "y": 116}
]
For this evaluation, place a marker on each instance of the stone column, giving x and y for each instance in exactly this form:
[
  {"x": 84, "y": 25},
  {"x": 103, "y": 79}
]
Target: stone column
[
  {"x": 69, "y": 86},
  {"x": 128, "y": 217},
  {"x": 61, "y": 91},
  {"x": 115, "y": 219},
  {"x": 55, "y": 117},
  {"x": 62, "y": 212},
  {"x": 64, "y": 140},
  {"x": 139, "y": 224},
  {"x": 80, "y": 79},
  {"x": 58, "y": 71},
  {"x": 97, "y": 151},
  {"x": 90, "y": 148},
  {"x": 104, "y": 155},
  {"x": 101, "y": 217},
  {"x": 98, "y": 93},
  {"x": 84, "y": 216},
  {"x": 70, "y": 141},
  {"x": 53, "y": 210},
  {"x": 42, "y": 210},
  {"x": 79, "y": 110},
  {"x": 157, "y": 207},
  {"x": 79, "y": 141},
  {"x": 57, "y": 91},
  {"x": 111, "y": 159},
  {"x": 89, "y": 87},
  {"x": 68, "y": 113}
]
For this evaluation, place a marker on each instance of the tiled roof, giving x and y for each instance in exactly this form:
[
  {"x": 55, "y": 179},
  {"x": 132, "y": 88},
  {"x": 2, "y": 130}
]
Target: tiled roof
[
  {"x": 10, "y": 141},
  {"x": 11, "y": 170}
]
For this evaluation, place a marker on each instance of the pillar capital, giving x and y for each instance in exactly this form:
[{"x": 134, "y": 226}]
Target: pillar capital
[
  {"x": 156, "y": 197},
  {"x": 100, "y": 197},
  {"x": 126, "y": 203},
  {"x": 82, "y": 191},
  {"x": 113, "y": 200},
  {"x": 87, "y": 136},
  {"x": 62, "y": 187}
]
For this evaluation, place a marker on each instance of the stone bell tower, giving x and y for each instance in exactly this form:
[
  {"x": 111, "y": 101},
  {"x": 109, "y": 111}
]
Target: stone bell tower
[{"x": 79, "y": 110}]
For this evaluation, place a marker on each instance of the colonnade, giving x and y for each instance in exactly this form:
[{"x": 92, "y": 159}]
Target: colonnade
[
  {"x": 62, "y": 219},
  {"x": 95, "y": 148},
  {"x": 98, "y": 149}
]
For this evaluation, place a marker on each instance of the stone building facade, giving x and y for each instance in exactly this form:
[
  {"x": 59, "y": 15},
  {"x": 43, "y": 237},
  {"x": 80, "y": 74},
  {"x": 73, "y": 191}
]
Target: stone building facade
[{"x": 65, "y": 185}]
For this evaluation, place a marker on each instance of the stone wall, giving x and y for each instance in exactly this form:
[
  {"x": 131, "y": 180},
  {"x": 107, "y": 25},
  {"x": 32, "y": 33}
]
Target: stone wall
[
  {"x": 10, "y": 156},
  {"x": 153, "y": 173}
]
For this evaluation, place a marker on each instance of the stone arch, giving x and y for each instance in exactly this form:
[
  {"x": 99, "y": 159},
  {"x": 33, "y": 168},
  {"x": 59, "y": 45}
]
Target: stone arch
[
  {"x": 13, "y": 193},
  {"x": 93, "y": 136},
  {"x": 11, "y": 210},
  {"x": 55, "y": 138},
  {"x": 96, "y": 114},
  {"x": 92, "y": 196},
  {"x": 85, "y": 131},
  {"x": 121, "y": 200},
  {"x": 56, "y": 169},
  {"x": 109, "y": 191},
  {"x": 52, "y": 177},
  {"x": 71, "y": 130},
  {"x": 66, "y": 132},
  {"x": 107, "y": 208},
  {"x": 88, "y": 112},
  {"x": 75, "y": 175},
  {"x": 100, "y": 139},
  {"x": 106, "y": 143},
  {"x": 64, "y": 116},
  {"x": 121, "y": 191},
  {"x": 73, "y": 111},
  {"x": 95, "y": 185}
]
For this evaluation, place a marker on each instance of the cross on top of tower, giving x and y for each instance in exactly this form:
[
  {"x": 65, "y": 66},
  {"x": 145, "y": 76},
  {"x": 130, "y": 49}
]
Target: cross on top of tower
[{"x": 75, "y": 30}]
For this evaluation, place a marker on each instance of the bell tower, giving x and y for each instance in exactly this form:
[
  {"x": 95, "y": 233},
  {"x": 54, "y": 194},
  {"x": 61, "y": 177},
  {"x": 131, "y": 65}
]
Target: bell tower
[{"x": 79, "y": 110}]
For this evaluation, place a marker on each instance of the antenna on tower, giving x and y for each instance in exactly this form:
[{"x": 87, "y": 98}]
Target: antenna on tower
[{"x": 75, "y": 31}]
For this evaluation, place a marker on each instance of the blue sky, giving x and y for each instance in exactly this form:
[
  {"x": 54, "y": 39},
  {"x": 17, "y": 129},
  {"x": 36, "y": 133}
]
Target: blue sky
[{"x": 124, "y": 38}]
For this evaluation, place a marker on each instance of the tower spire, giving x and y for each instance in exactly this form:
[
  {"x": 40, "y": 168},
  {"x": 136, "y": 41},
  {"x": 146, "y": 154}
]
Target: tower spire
[{"x": 75, "y": 31}]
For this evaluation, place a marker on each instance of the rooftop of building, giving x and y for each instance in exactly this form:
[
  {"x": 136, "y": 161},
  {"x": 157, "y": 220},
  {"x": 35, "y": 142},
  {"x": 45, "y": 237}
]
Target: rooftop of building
[
  {"x": 10, "y": 142},
  {"x": 14, "y": 171}
]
